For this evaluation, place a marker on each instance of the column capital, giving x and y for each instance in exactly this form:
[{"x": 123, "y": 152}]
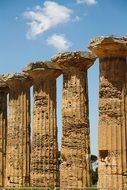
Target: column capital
[
  {"x": 15, "y": 80},
  {"x": 3, "y": 85},
  {"x": 74, "y": 59},
  {"x": 42, "y": 69},
  {"x": 109, "y": 46}
]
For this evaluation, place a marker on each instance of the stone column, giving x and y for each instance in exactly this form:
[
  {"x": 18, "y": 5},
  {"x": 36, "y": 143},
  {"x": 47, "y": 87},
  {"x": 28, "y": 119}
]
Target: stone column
[
  {"x": 44, "y": 162},
  {"x": 112, "y": 52},
  {"x": 3, "y": 130},
  {"x": 75, "y": 166},
  {"x": 18, "y": 133}
]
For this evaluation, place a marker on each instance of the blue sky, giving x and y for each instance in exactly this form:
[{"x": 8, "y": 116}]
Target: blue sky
[{"x": 32, "y": 30}]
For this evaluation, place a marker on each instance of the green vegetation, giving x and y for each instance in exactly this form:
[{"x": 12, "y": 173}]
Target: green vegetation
[
  {"x": 94, "y": 170},
  {"x": 94, "y": 176}
]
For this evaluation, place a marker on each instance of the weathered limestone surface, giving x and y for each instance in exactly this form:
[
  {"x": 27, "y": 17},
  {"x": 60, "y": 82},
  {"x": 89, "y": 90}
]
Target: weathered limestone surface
[
  {"x": 112, "y": 52},
  {"x": 44, "y": 162},
  {"x": 18, "y": 133},
  {"x": 3, "y": 130},
  {"x": 75, "y": 166},
  {"x": 109, "y": 46}
]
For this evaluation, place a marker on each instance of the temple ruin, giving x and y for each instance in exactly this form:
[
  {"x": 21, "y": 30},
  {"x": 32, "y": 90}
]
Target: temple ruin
[
  {"x": 75, "y": 166},
  {"x": 18, "y": 130},
  {"x": 112, "y": 53},
  {"x": 44, "y": 162},
  {"x": 28, "y": 140}
]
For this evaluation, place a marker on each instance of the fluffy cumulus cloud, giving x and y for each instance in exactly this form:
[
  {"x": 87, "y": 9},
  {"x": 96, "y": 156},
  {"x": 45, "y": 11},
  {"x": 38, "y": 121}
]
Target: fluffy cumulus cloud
[
  {"x": 90, "y": 2},
  {"x": 59, "y": 42},
  {"x": 44, "y": 18}
]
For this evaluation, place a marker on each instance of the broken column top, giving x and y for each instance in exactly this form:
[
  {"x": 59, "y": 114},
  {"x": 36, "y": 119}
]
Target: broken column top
[
  {"x": 20, "y": 79},
  {"x": 3, "y": 85},
  {"x": 74, "y": 59},
  {"x": 109, "y": 46},
  {"x": 42, "y": 69}
]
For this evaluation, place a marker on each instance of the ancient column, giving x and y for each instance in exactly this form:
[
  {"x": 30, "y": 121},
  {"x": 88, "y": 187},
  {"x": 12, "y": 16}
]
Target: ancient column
[
  {"x": 3, "y": 130},
  {"x": 112, "y": 52},
  {"x": 44, "y": 162},
  {"x": 18, "y": 133},
  {"x": 75, "y": 166}
]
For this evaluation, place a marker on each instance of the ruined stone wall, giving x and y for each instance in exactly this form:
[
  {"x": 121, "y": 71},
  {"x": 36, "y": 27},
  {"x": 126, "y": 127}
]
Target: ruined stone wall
[
  {"x": 113, "y": 123},
  {"x": 74, "y": 169}
]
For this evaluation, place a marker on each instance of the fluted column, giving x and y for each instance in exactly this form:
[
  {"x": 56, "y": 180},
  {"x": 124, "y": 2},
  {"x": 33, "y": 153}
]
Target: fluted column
[
  {"x": 3, "y": 130},
  {"x": 75, "y": 166},
  {"x": 18, "y": 133},
  {"x": 112, "y": 52},
  {"x": 44, "y": 162}
]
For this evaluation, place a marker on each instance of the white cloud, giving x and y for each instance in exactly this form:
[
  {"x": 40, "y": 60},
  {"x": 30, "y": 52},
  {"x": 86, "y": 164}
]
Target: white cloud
[
  {"x": 59, "y": 42},
  {"x": 46, "y": 17},
  {"x": 90, "y": 2}
]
